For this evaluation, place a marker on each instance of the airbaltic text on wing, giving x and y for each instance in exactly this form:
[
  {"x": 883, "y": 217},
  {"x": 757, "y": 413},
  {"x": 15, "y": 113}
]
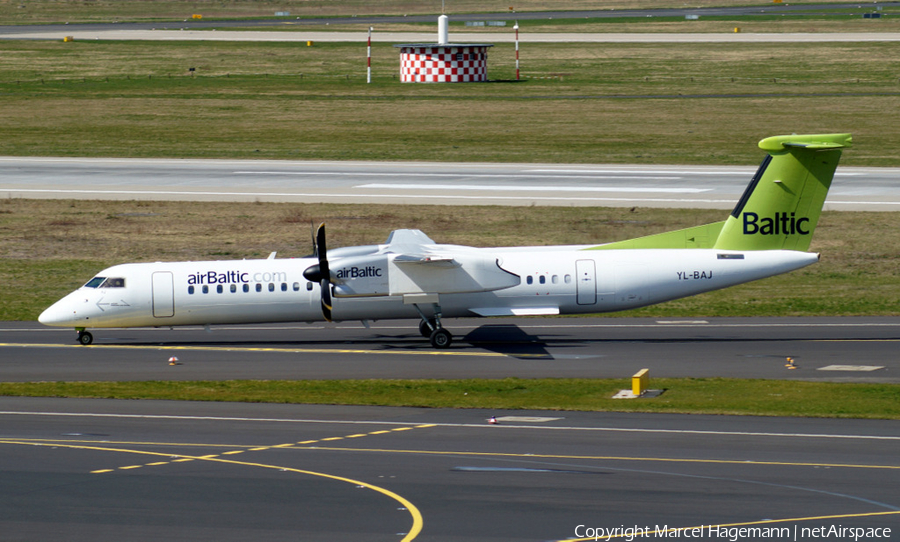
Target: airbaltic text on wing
[
  {"x": 359, "y": 272},
  {"x": 234, "y": 277},
  {"x": 782, "y": 224}
]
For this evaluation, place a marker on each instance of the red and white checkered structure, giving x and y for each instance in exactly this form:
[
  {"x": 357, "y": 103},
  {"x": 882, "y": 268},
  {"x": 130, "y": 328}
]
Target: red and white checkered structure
[{"x": 443, "y": 63}]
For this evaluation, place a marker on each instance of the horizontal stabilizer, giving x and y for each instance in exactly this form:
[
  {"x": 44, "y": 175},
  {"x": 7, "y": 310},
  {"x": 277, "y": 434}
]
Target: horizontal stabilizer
[{"x": 811, "y": 142}]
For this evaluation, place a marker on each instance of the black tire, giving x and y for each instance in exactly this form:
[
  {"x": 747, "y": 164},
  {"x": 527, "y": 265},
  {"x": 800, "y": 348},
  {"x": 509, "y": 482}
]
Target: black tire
[
  {"x": 85, "y": 338},
  {"x": 441, "y": 338},
  {"x": 424, "y": 328}
]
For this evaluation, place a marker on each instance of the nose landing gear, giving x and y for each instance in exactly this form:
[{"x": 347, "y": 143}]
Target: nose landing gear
[{"x": 84, "y": 337}]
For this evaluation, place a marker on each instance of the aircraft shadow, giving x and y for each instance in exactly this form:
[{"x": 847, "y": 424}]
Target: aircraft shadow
[{"x": 509, "y": 340}]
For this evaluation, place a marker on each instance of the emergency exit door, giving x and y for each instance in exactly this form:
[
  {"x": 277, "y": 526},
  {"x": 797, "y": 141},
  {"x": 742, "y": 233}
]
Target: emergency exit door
[
  {"x": 163, "y": 294},
  {"x": 585, "y": 282}
]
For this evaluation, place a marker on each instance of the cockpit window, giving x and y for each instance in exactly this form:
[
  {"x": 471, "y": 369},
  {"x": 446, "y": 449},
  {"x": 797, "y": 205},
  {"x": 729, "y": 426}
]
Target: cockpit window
[
  {"x": 113, "y": 283},
  {"x": 95, "y": 282}
]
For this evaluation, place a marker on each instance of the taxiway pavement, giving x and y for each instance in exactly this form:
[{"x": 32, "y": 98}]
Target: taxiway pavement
[
  {"x": 825, "y": 349},
  {"x": 88, "y": 470}
]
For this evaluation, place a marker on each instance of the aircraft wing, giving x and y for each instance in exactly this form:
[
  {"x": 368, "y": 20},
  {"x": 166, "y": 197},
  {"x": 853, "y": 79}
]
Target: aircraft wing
[{"x": 411, "y": 263}]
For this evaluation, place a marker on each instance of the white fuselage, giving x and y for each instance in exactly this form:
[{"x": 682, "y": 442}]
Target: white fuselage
[{"x": 552, "y": 280}]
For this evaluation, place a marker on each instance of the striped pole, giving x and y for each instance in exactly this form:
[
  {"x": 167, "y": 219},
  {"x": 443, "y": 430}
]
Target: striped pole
[
  {"x": 369, "y": 58},
  {"x": 517, "y": 49}
]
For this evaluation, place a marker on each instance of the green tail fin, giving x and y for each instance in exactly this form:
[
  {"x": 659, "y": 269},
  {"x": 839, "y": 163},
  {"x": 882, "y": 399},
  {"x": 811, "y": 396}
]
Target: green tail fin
[{"x": 781, "y": 206}]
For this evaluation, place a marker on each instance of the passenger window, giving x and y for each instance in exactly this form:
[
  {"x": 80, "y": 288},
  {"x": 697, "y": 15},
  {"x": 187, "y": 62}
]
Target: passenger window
[
  {"x": 246, "y": 288},
  {"x": 296, "y": 286},
  {"x": 219, "y": 289},
  {"x": 191, "y": 290},
  {"x": 205, "y": 289},
  {"x": 233, "y": 288},
  {"x": 309, "y": 286},
  {"x": 568, "y": 279},
  {"x": 529, "y": 279},
  {"x": 543, "y": 279},
  {"x": 555, "y": 279},
  {"x": 271, "y": 287},
  {"x": 258, "y": 287},
  {"x": 284, "y": 286},
  {"x": 95, "y": 282}
]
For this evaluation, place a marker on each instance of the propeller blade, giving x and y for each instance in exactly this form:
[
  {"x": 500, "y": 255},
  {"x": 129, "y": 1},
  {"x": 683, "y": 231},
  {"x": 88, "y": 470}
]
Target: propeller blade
[
  {"x": 326, "y": 299},
  {"x": 324, "y": 274},
  {"x": 322, "y": 252}
]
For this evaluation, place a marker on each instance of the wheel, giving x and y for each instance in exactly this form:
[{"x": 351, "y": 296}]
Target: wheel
[
  {"x": 441, "y": 338},
  {"x": 424, "y": 328},
  {"x": 85, "y": 337}
]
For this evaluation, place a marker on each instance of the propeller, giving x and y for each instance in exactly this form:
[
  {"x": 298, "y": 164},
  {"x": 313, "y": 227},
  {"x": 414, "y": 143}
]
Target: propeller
[{"x": 320, "y": 272}]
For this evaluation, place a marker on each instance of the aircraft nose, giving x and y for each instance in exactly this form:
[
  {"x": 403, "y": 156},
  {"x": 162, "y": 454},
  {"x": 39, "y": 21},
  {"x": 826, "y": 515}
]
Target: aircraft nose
[
  {"x": 55, "y": 315},
  {"x": 65, "y": 312}
]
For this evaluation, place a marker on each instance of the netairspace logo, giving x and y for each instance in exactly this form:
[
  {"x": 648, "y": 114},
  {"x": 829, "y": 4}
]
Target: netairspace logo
[{"x": 796, "y": 533}]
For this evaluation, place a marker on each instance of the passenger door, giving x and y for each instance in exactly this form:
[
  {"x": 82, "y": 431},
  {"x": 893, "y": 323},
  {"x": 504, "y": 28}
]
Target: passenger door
[{"x": 163, "y": 294}]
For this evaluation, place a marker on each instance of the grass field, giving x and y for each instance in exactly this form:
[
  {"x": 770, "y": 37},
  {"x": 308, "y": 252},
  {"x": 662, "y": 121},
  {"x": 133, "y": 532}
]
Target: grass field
[
  {"x": 51, "y": 247},
  {"x": 579, "y": 103},
  {"x": 685, "y": 395}
]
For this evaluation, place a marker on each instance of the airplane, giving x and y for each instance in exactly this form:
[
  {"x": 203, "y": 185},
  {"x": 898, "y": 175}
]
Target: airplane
[{"x": 413, "y": 277}]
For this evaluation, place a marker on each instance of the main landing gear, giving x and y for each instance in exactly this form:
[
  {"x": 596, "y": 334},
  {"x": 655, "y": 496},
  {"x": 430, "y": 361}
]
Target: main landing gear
[
  {"x": 431, "y": 328},
  {"x": 84, "y": 337}
]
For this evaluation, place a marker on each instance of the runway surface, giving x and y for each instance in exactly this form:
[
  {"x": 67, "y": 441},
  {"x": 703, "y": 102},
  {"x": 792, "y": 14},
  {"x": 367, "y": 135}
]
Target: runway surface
[
  {"x": 302, "y": 34},
  {"x": 870, "y": 189},
  {"x": 300, "y": 28},
  {"x": 82, "y": 470},
  {"x": 825, "y": 349},
  {"x": 782, "y": 9}
]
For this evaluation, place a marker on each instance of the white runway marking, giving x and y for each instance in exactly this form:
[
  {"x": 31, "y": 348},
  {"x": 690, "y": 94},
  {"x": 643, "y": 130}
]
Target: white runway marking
[
  {"x": 571, "y": 175},
  {"x": 859, "y": 368},
  {"x": 478, "y": 425},
  {"x": 520, "y": 188},
  {"x": 193, "y": 194}
]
